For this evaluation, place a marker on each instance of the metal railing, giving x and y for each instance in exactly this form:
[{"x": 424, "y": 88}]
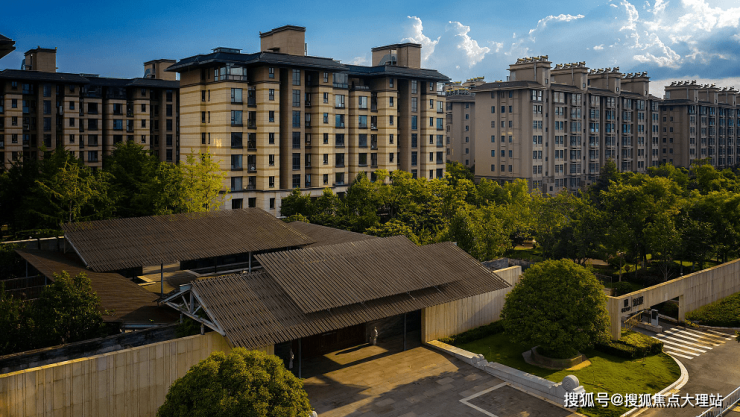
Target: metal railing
[{"x": 728, "y": 402}]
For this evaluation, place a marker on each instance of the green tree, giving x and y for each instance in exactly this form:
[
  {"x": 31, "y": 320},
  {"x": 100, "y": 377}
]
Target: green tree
[
  {"x": 457, "y": 171},
  {"x": 68, "y": 191},
  {"x": 393, "y": 228},
  {"x": 15, "y": 324},
  {"x": 67, "y": 311},
  {"x": 296, "y": 203},
  {"x": 559, "y": 306},
  {"x": 664, "y": 241},
  {"x": 244, "y": 383},
  {"x": 134, "y": 174},
  {"x": 202, "y": 185}
]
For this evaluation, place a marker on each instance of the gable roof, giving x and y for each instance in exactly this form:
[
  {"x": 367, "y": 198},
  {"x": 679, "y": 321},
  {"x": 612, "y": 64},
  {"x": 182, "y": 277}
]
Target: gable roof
[
  {"x": 327, "y": 277},
  {"x": 110, "y": 245},
  {"x": 254, "y": 310}
]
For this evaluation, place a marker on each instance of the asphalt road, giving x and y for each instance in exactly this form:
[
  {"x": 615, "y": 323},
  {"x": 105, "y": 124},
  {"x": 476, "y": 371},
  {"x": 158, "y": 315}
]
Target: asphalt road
[{"x": 711, "y": 371}]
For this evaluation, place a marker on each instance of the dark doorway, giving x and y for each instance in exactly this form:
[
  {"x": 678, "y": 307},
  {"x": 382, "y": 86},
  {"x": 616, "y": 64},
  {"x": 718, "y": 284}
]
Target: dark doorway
[{"x": 331, "y": 341}]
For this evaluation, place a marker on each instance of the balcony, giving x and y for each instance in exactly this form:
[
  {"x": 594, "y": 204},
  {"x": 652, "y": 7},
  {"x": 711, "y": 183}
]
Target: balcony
[
  {"x": 360, "y": 88},
  {"x": 251, "y": 187},
  {"x": 251, "y": 102},
  {"x": 252, "y": 167},
  {"x": 251, "y": 124},
  {"x": 373, "y": 144},
  {"x": 339, "y": 165},
  {"x": 251, "y": 146}
]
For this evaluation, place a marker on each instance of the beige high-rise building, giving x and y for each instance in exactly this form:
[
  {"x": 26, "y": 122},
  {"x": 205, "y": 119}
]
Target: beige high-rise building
[
  {"x": 42, "y": 109},
  {"x": 460, "y": 140},
  {"x": 699, "y": 122},
  {"x": 556, "y": 127},
  {"x": 280, "y": 119}
]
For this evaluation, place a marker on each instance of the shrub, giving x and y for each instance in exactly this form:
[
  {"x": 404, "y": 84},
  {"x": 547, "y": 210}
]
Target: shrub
[
  {"x": 474, "y": 334},
  {"x": 632, "y": 345},
  {"x": 244, "y": 383}
]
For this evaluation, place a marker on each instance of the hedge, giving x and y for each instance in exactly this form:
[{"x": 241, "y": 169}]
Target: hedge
[
  {"x": 632, "y": 345},
  {"x": 474, "y": 334}
]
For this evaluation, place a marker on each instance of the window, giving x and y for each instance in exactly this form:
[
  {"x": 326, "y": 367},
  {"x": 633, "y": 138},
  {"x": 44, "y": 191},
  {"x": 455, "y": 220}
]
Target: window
[
  {"x": 271, "y": 138},
  {"x": 296, "y": 98},
  {"x": 339, "y": 160},
  {"x": 296, "y": 161},
  {"x": 236, "y": 162},
  {"x": 390, "y": 82},
  {"x": 362, "y": 102},
  {"x": 362, "y": 122},
  {"x": 236, "y": 140},
  {"x": 202, "y": 138},
  {"x": 236, "y": 184},
  {"x": 362, "y": 159},
  {"x": 236, "y": 95},
  {"x": 414, "y": 140},
  {"x": 339, "y": 101},
  {"x": 296, "y": 180},
  {"x": 117, "y": 124},
  {"x": 339, "y": 120},
  {"x": 390, "y": 120},
  {"x": 390, "y": 139},
  {"x": 236, "y": 118},
  {"x": 296, "y": 118},
  {"x": 296, "y": 140},
  {"x": 414, "y": 123},
  {"x": 202, "y": 117},
  {"x": 414, "y": 104},
  {"x": 390, "y": 101},
  {"x": 271, "y": 116},
  {"x": 296, "y": 77},
  {"x": 414, "y": 159}
]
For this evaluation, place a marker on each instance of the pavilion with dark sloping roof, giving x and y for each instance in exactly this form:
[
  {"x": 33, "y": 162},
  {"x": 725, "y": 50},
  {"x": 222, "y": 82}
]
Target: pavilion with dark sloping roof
[{"x": 314, "y": 294}]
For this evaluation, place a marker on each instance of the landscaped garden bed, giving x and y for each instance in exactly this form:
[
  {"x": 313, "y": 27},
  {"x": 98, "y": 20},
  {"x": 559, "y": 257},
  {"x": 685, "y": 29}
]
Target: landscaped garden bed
[
  {"x": 607, "y": 372},
  {"x": 721, "y": 313}
]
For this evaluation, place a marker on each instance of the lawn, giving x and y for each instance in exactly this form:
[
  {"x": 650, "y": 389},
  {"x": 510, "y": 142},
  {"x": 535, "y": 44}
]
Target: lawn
[
  {"x": 606, "y": 373},
  {"x": 722, "y": 313}
]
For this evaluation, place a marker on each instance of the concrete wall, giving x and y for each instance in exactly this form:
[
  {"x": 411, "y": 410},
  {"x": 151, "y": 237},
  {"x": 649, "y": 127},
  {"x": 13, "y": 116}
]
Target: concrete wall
[
  {"x": 468, "y": 313},
  {"x": 693, "y": 291},
  {"x": 131, "y": 382}
]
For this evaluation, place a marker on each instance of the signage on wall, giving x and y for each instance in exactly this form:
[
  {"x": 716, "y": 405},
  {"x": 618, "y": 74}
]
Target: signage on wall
[{"x": 636, "y": 301}]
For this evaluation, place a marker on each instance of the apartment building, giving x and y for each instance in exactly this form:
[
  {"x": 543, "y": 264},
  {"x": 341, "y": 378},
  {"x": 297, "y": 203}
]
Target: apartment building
[
  {"x": 556, "y": 127},
  {"x": 280, "y": 119},
  {"x": 460, "y": 140},
  {"x": 699, "y": 122},
  {"x": 42, "y": 109}
]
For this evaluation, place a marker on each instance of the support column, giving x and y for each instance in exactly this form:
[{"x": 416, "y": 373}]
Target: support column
[
  {"x": 300, "y": 361},
  {"x": 404, "y": 332},
  {"x": 161, "y": 279},
  {"x": 614, "y": 306},
  {"x": 250, "y": 261},
  {"x": 215, "y": 265}
]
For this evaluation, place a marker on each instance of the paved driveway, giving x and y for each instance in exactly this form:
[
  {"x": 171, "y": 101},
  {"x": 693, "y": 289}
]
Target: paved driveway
[
  {"x": 419, "y": 382},
  {"x": 713, "y": 365}
]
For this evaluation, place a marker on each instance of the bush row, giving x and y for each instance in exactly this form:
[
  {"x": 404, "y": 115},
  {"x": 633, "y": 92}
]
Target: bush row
[
  {"x": 632, "y": 345},
  {"x": 474, "y": 334}
]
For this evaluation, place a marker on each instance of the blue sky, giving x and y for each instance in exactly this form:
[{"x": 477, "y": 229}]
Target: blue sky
[{"x": 674, "y": 39}]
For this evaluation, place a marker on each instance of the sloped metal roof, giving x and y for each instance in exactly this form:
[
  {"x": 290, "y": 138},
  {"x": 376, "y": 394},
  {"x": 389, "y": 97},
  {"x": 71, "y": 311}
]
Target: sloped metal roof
[
  {"x": 110, "y": 245},
  {"x": 327, "y": 277},
  {"x": 254, "y": 310}
]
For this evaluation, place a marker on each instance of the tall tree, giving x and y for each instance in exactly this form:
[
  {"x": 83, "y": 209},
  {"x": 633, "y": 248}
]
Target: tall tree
[
  {"x": 67, "y": 311},
  {"x": 202, "y": 183},
  {"x": 133, "y": 173},
  {"x": 664, "y": 241}
]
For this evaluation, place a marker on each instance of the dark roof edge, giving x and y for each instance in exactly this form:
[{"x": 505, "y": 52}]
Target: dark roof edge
[
  {"x": 282, "y": 29},
  {"x": 40, "y": 49},
  {"x": 396, "y": 45}
]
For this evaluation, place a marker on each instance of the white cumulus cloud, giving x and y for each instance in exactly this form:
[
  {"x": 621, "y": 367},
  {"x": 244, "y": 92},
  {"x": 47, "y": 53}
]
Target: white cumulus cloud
[
  {"x": 417, "y": 36},
  {"x": 473, "y": 51},
  {"x": 599, "y": 47}
]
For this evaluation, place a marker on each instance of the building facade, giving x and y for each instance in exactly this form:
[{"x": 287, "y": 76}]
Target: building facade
[
  {"x": 42, "y": 109},
  {"x": 280, "y": 119},
  {"x": 699, "y": 122},
  {"x": 556, "y": 127}
]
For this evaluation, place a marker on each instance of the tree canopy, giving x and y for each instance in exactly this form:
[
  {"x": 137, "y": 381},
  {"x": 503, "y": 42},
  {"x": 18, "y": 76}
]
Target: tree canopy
[
  {"x": 38, "y": 196},
  {"x": 559, "y": 306},
  {"x": 242, "y": 383}
]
